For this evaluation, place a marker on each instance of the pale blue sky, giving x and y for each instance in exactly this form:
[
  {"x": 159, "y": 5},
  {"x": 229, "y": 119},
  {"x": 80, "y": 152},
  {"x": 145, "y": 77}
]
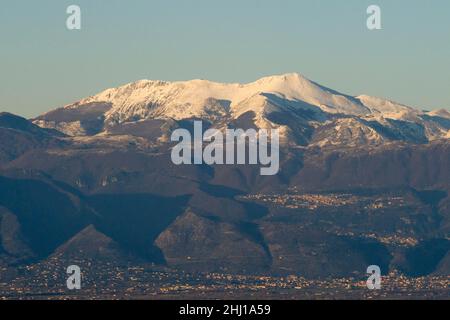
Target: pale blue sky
[{"x": 44, "y": 66}]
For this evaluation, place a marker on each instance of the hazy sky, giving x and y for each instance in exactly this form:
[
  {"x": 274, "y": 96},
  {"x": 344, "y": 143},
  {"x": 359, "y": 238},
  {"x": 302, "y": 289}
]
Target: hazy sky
[{"x": 43, "y": 65}]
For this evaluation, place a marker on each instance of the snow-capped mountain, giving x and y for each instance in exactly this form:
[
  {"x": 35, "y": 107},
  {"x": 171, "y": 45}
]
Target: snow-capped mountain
[
  {"x": 303, "y": 110},
  {"x": 180, "y": 100},
  {"x": 355, "y": 172}
]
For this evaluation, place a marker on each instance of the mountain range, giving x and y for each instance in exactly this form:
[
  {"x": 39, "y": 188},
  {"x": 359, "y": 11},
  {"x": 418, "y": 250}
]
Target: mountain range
[{"x": 363, "y": 181}]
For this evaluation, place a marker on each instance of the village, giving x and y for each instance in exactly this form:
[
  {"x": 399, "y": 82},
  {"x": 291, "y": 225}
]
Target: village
[{"x": 110, "y": 281}]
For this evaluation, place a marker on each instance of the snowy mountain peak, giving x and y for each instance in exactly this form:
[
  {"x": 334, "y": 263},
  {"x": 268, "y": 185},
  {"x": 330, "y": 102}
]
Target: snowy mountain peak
[
  {"x": 287, "y": 78},
  {"x": 184, "y": 99},
  {"x": 290, "y": 102}
]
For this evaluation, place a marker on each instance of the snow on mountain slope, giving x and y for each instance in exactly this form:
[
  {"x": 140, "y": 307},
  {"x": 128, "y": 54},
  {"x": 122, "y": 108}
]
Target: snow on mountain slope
[
  {"x": 439, "y": 113},
  {"x": 346, "y": 132},
  {"x": 437, "y": 124},
  {"x": 289, "y": 102},
  {"x": 187, "y": 99},
  {"x": 408, "y": 123},
  {"x": 433, "y": 124},
  {"x": 388, "y": 109}
]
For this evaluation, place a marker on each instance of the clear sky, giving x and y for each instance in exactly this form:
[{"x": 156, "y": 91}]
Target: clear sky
[{"x": 43, "y": 65}]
